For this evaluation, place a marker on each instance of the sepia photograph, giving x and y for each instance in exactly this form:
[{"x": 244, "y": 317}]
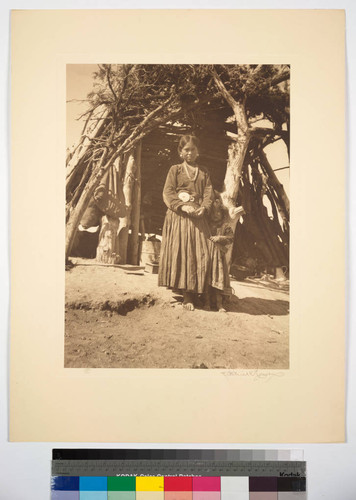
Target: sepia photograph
[
  {"x": 185, "y": 275},
  {"x": 177, "y": 216}
]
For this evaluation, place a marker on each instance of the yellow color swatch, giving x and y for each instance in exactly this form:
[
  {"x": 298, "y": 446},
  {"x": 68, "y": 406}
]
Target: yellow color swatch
[
  {"x": 150, "y": 495},
  {"x": 149, "y": 483}
]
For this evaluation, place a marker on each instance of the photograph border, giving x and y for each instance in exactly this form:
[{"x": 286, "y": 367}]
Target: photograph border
[{"x": 86, "y": 405}]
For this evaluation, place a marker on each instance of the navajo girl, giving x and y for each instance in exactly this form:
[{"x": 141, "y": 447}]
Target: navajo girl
[{"x": 185, "y": 261}]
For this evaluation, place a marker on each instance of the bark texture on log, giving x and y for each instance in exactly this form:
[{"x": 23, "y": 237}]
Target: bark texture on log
[
  {"x": 133, "y": 250},
  {"x": 125, "y": 222},
  {"x": 106, "y": 251},
  {"x": 236, "y": 155},
  {"x": 237, "y": 152}
]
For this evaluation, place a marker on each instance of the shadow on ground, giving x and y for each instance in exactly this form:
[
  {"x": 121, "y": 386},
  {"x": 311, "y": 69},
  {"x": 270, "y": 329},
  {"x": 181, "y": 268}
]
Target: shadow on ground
[
  {"x": 257, "y": 306},
  {"x": 249, "y": 305}
]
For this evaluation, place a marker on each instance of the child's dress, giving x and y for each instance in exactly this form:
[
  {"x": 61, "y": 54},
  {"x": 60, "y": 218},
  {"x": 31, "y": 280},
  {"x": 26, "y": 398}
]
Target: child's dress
[{"x": 220, "y": 278}]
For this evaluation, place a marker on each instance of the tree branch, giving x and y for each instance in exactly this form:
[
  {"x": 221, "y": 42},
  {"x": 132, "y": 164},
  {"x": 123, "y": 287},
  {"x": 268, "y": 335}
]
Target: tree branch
[
  {"x": 139, "y": 128},
  {"x": 285, "y": 75},
  {"x": 223, "y": 90},
  {"x": 238, "y": 108},
  {"x": 109, "y": 82}
]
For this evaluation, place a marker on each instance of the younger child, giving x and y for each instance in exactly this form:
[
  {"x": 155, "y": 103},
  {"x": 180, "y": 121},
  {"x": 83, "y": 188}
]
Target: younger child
[{"x": 222, "y": 237}]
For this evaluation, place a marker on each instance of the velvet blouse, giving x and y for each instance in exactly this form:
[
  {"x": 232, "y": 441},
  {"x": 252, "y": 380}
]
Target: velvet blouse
[{"x": 178, "y": 180}]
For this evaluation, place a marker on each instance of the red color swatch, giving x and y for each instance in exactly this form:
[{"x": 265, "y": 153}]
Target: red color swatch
[{"x": 178, "y": 484}]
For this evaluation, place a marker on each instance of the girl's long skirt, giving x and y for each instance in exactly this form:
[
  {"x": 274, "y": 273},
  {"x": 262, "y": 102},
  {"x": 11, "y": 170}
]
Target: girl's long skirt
[{"x": 185, "y": 260}]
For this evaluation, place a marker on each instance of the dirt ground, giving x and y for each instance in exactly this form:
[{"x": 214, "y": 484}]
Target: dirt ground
[{"x": 117, "y": 317}]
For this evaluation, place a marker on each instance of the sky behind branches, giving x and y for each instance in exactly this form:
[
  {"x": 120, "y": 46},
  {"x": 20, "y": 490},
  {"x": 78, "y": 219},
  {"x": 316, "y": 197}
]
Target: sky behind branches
[{"x": 80, "y": 83}]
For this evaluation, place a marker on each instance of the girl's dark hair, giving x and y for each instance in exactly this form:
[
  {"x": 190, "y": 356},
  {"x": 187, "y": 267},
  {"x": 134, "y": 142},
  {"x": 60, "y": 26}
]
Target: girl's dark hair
[{"x": 185, "y": 139}]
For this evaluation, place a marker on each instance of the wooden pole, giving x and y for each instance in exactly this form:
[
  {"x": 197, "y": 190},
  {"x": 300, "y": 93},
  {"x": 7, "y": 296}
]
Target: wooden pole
[
  {"x": 125, "y": 222},
  {"x": 107, "y": 246},
  {"x": 107, "y": 250},
  {"x": 77, "y": 213},
  {"x": 93, "y": 130},
  {"x": 265, "y": 222},
  {"x": 135, "y": 215},
  {"x": 236, "y": 157},
  {"x": 274, "y": 181}
]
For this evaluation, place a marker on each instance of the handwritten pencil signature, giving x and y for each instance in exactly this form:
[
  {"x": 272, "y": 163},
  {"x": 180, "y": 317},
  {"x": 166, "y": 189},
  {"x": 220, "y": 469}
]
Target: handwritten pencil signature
[{"x": 254, "y": 374}]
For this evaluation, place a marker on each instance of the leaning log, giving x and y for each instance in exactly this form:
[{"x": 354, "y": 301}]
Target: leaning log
[
  {"x": 106, "y": 251},
  {"x": 133, "y": 250},
  {"x": 273, "y": 179},
  {"x": 93, "y": 130},
  {"x": 125, "y": 222},
  {"x": 237, "y": 152},
  {"x": 87, "y": 193}
]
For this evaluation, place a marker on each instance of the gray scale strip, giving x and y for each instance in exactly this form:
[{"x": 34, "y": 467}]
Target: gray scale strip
[{"x": 177, "y": 468}]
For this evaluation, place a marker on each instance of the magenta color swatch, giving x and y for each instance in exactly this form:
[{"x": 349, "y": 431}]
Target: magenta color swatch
[
  {"x": 206, "y": 495},
  {"x": 206, "y": 484}
]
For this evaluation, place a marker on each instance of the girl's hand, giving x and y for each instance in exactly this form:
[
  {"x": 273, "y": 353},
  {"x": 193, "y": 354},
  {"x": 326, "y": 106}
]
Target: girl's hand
[
  {"x": 187, "y": 209},
  {"x": 199, "y": 212},
  {"x": 222, "y": 240}
]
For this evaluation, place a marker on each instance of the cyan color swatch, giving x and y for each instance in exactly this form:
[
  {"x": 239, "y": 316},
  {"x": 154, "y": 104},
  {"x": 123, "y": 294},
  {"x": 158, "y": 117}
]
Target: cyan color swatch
[
  {"x": 93, "y": 495},
  {"x": 93, "y": 483}
]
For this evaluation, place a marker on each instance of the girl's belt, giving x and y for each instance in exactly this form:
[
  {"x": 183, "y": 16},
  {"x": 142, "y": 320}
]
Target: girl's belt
[{"x": 187, "y": 197}]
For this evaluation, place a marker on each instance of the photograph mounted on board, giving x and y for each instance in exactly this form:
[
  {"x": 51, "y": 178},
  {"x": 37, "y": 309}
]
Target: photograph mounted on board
[{"x": 177, "y": 216}]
